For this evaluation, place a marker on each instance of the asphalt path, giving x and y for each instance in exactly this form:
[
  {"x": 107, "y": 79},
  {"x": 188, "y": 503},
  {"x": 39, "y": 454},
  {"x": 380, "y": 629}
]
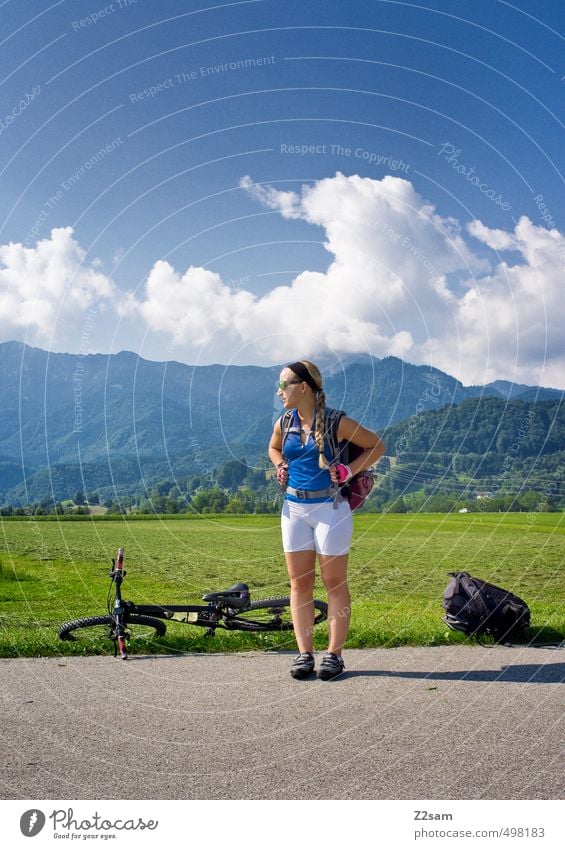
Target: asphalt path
[{"x": 461, "y": 722}]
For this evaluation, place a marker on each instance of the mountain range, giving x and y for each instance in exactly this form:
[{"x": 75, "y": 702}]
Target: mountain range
[{"x": 117, "y": 422}]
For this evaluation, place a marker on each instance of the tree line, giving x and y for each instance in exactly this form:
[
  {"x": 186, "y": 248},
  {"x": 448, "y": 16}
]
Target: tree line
[{"x": 480, "y": 455}]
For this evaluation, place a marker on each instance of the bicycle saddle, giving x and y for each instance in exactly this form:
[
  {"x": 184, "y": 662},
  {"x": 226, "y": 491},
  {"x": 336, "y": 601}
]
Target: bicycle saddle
[{"x": 236, "y": 596}]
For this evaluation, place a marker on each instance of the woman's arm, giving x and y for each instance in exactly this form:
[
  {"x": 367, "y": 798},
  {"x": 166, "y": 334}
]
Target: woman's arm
[
  {"x": 352, "y": 431},
  {"x": 275, "y": 445},
  {"x": 276, "y": 456}
]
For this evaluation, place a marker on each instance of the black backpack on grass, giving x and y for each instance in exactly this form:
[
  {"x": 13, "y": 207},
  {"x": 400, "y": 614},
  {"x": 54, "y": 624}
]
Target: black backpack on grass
[{"x": 476, "y": 607}]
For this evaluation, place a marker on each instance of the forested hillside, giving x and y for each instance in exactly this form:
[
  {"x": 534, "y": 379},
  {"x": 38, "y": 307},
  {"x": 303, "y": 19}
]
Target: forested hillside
[{"x": 119, "y": 424}]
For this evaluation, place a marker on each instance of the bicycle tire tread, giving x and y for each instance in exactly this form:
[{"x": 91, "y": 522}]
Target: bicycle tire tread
[{"x": 65, "y": 630}]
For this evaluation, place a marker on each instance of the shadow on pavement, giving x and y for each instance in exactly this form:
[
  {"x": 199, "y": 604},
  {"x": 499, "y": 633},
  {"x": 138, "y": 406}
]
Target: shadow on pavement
[{"x": 549, "y": 673}]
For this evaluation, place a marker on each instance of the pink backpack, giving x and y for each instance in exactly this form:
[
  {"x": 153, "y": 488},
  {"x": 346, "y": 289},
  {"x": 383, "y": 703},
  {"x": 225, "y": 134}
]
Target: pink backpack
[{"x": 360, "y": 486}]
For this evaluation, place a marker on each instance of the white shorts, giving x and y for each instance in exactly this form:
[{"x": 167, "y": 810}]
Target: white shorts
[{"x": 317, "y": 527}]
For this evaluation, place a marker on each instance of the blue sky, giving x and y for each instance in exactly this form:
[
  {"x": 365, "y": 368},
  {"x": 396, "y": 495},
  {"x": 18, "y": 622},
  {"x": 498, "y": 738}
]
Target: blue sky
[{"x": 259, "y": 181}]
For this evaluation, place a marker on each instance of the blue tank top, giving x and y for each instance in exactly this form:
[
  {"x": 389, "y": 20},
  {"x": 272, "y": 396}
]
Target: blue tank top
[{"x": 304, "y": 470}]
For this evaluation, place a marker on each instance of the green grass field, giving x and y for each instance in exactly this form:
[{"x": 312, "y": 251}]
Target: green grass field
[{"x": 52, "y": 571}]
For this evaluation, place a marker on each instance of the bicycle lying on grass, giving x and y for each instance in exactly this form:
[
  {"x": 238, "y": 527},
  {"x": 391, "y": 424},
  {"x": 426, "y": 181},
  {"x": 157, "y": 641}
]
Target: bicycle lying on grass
[{"x": 231, "y": 609}]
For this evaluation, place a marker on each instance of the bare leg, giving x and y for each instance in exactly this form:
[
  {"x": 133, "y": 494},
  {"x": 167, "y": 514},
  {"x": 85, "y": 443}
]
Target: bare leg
[
  {"x": 334, "y": 576},
  {"x": 301, "y": 569}
]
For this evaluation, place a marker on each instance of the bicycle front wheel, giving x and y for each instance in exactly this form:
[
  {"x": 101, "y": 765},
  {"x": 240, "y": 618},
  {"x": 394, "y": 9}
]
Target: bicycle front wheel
[
  {"x": 271, "y": 614},
  {"x": 93, "y": 628}
]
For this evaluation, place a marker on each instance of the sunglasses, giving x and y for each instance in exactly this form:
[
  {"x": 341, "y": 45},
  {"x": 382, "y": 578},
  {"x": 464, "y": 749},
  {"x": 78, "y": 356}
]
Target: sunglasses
[{"x": 282, "y": 384}]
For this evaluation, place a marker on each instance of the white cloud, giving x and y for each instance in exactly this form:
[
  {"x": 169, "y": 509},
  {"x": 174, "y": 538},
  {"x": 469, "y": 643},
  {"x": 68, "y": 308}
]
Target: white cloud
[
  {"x": 498, "y": 240},
  {"x": 287, "y": 203},
  {"x": 402, "y": 280},
  {"x": 192, "y": 308},
  {"x": 385, "y": 291},
  {"x": 45, "y": 289},
  {"x": 514, "y": 316},
  {"x": 407, "y": 282}
]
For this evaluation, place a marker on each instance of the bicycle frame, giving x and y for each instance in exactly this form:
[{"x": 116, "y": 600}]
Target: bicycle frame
[{"x": 194, "y": 614}]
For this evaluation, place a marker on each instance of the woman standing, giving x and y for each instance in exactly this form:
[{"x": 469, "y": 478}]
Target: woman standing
[{"x": 316, "y": 519}]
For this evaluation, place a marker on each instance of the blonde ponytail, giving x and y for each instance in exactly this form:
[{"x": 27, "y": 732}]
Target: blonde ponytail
[
  {"x": 320, "y": 433},
  {"x": 320, "y": 428}
]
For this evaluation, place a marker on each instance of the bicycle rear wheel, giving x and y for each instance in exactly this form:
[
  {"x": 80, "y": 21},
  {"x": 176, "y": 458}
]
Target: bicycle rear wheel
[
  {"x": 271, "y": 614},
  {"x": 93, "y": 628}
]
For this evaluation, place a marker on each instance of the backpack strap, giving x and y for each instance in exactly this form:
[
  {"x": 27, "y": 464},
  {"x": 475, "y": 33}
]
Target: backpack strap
[
  {"x": 286, "y": 423},
  {"x": 474, "y": 593},
  {"x": 333, "y": 418}
]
